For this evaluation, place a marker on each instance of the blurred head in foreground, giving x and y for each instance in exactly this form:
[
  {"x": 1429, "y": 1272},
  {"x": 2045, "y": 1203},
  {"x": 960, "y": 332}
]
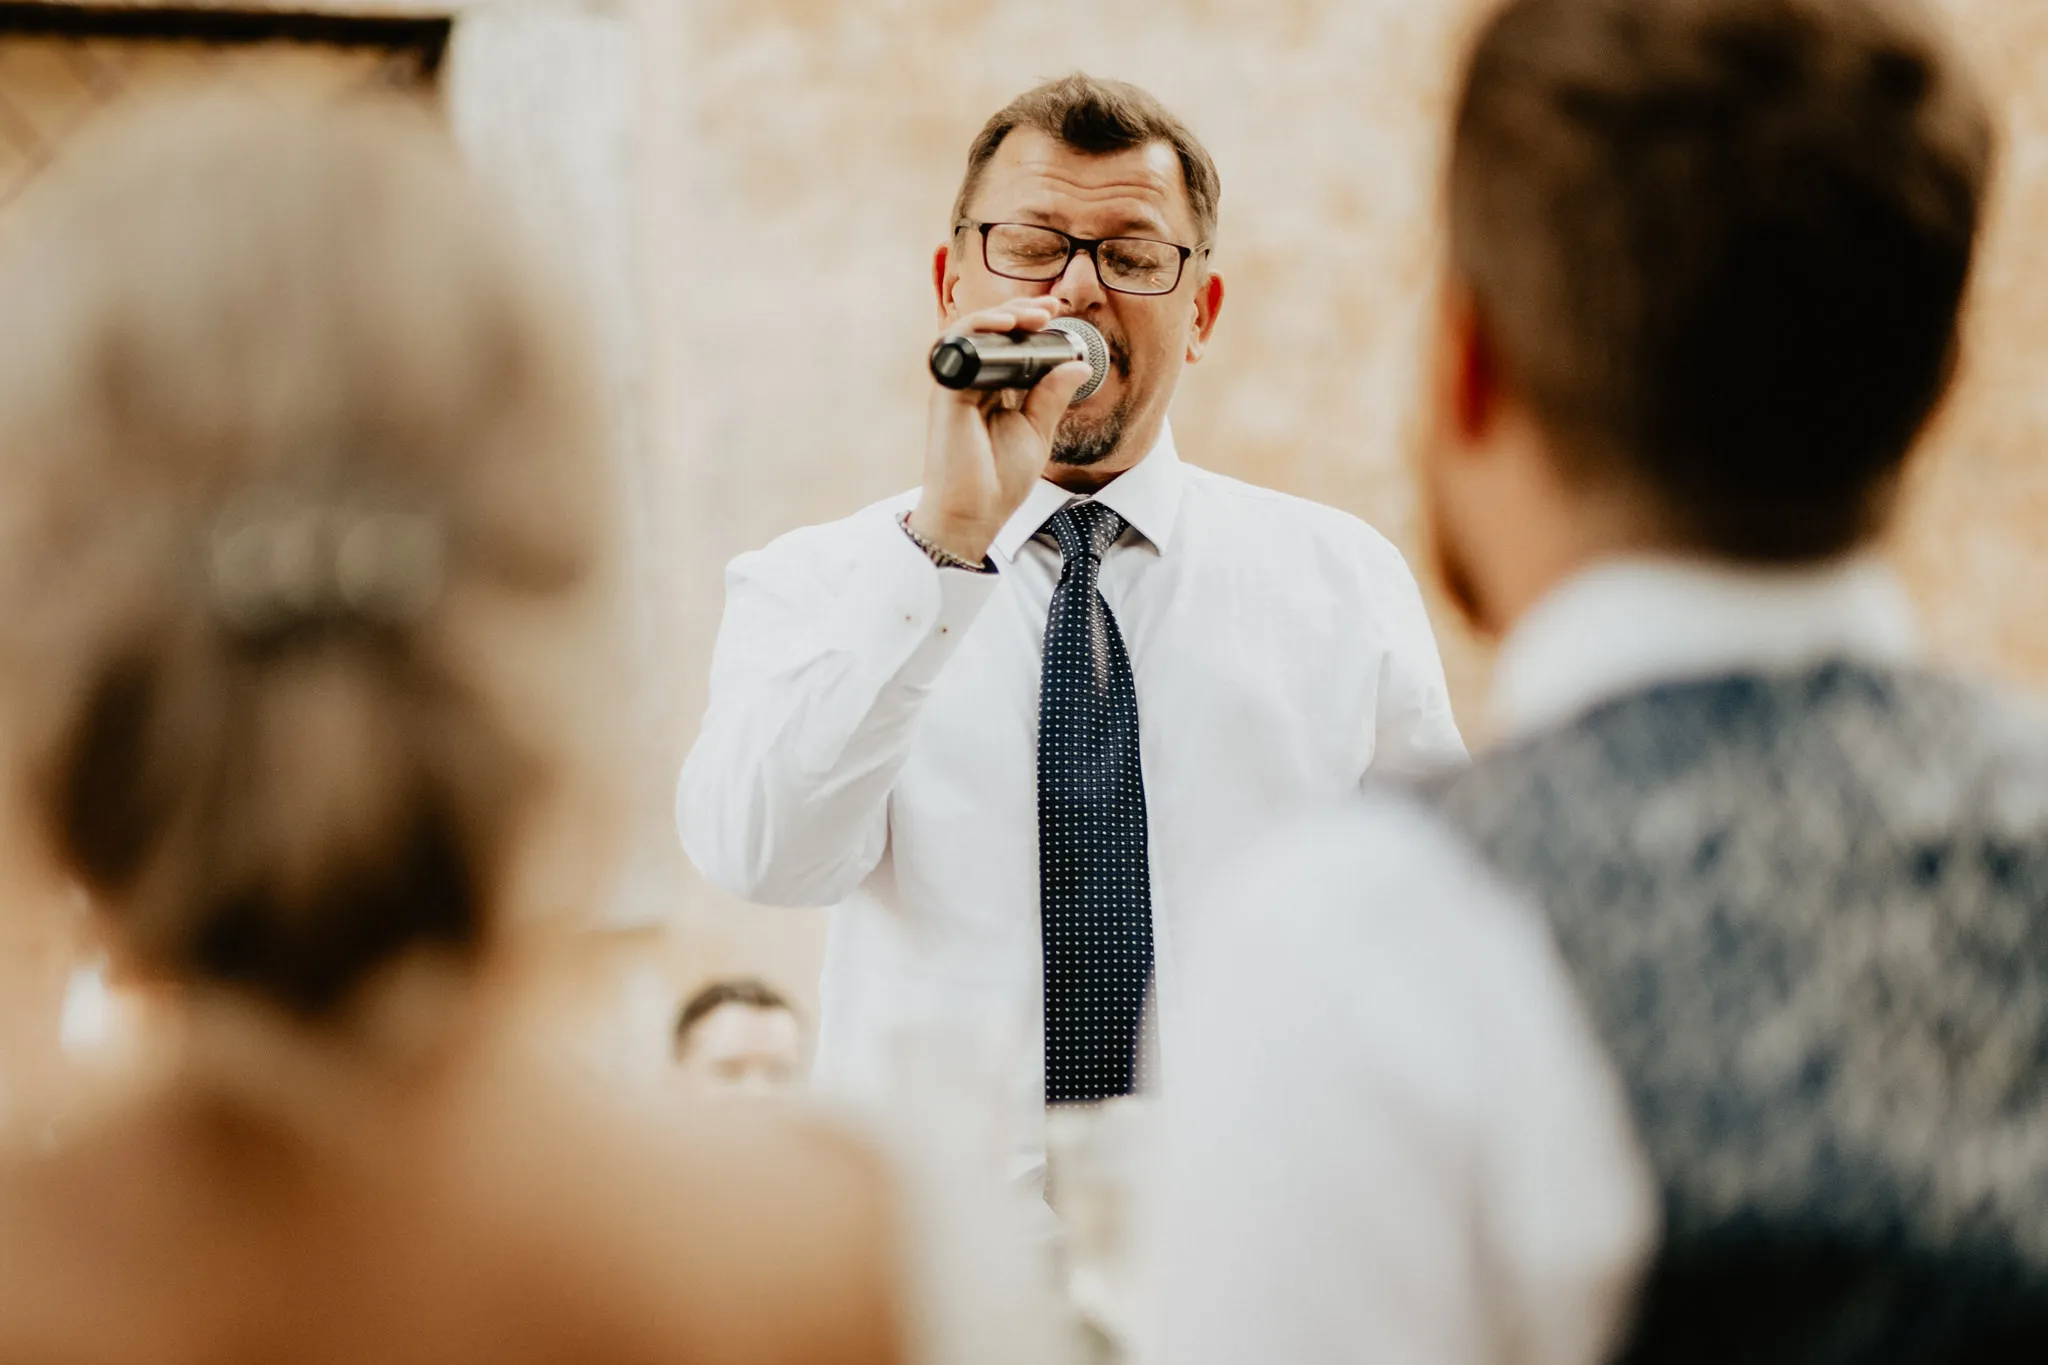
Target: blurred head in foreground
[
  {"x": 301, "y": 544},
  {"x": 1705, "y": 267},
  {"x": 301, "y": 473},
  {"x": 740, "y": 1037}
]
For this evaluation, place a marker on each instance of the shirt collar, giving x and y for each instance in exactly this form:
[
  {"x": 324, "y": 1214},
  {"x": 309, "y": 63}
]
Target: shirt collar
[
  {"x": 1147, "y": 495},
  {"x": 1628, "y": 624}
]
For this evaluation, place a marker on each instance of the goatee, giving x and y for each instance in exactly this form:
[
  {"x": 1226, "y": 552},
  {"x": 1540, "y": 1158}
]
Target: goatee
[{"x": 1080, "y": 442}]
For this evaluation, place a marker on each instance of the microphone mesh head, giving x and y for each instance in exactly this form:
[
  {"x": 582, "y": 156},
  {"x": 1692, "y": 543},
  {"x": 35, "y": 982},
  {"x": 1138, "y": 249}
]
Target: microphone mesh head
[{"x": 1097, "y": 349}]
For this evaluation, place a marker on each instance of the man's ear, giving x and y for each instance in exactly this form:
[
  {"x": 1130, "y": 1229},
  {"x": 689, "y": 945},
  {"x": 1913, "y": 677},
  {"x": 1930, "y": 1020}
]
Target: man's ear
[
  {"x": 944, "y": 278},
  {"x": 1208, "y": 305},
  {"x": 1469, "y": 369}
]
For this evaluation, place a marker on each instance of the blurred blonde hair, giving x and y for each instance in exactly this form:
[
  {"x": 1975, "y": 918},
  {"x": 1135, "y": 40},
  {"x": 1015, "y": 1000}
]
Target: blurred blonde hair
[{"x": 276, "y": 325}]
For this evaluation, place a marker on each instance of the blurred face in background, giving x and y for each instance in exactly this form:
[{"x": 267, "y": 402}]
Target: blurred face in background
[
  {"x": 1034, "y": 178},
  {"x": 742, "y": 1049}
]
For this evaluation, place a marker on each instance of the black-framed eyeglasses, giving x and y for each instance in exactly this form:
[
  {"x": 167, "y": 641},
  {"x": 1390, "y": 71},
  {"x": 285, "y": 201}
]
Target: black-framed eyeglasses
[{"x": 1129, "y": 265}]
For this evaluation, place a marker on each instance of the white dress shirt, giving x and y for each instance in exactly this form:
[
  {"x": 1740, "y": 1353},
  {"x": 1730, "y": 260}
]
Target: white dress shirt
[
  {"x": 1391, "y": 1133},
  {"x": 872, "y": 736}
]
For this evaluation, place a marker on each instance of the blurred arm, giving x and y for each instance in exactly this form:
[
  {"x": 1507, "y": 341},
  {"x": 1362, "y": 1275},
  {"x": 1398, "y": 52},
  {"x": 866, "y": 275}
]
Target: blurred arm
[
  {"x": 831, "y": 641},
  {"x": 1390, "y": 1137}
]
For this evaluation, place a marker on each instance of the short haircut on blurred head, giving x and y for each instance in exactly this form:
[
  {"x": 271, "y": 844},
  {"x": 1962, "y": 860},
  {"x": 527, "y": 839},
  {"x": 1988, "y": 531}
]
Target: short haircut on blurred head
[
  {"x": 1099, "y": 117},
  {"x": 293, "y": 448},
  {"x": 1720, "y": 247},
  {"x": 745, "y": 991}
]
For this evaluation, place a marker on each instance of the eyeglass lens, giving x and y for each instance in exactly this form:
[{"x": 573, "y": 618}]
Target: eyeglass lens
[{"x": 1134, "y": 265}]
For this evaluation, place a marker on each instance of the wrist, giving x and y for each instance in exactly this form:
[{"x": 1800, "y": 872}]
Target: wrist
[{"x": 963, "y": 541}]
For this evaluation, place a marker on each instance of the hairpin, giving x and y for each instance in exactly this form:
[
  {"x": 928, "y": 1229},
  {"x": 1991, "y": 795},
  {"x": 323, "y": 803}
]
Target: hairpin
[{"x": 273, "y": 565}]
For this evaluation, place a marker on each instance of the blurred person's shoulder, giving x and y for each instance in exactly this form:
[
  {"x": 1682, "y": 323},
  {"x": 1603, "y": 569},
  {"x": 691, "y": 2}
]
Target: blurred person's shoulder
[
  {"x": 723, "y": 1231},
  {"x": 1991, "y": 739},
  {"x": 516, "y": 1209},
  {"x": 1370, "y": 935},
  {"x": 1933, "y": 741},
  {"x": 1375, "y": 877},
  {"x": 76, "y": 1199}
]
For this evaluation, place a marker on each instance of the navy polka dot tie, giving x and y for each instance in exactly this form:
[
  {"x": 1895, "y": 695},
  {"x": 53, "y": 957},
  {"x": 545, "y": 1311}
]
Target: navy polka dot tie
[{"x": 1095, "y": 903}]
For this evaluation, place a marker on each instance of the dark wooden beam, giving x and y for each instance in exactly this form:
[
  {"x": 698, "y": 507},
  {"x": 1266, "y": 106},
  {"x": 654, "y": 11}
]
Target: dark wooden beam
[{"x": 425, "y": 35}]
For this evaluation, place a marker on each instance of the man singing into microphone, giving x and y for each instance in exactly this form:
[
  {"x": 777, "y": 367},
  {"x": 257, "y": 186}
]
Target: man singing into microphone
[{"x": 1005, "y": 722}]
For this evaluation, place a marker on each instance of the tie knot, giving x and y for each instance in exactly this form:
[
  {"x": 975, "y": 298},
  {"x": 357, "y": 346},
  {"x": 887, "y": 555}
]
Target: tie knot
[{"x": 1085, "y": 529}]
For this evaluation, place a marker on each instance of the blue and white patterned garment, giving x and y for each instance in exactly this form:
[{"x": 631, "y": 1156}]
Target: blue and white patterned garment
[
  {"x": 1095, "y": 887},
  {"x": 1807, "y": 913}
]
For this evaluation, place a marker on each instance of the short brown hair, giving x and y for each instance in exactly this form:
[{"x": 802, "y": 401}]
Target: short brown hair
[
  {"x": 740, "y": 990},
  {"x": 247, "y": 310},
  {"x": 1721, "y": 246},
  {"x": 1099, "y": 117}
]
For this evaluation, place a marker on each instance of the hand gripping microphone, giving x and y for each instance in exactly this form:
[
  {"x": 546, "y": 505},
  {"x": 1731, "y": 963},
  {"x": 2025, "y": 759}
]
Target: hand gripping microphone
[{"x": 1018, "y": 360}]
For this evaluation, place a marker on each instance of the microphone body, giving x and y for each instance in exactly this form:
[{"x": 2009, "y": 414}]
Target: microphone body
[{"x": 1018, "y": 360}]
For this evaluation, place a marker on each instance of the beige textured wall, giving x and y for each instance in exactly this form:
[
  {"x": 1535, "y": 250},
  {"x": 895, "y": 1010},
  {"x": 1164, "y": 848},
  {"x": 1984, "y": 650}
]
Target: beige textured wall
[
  {"x": 807, "y": 152},
  {"x": 1974, "y": 540}
]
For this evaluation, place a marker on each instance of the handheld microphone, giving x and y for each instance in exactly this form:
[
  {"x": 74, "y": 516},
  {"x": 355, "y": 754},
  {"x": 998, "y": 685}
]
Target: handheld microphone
[{"x": 1018, "y": 360}]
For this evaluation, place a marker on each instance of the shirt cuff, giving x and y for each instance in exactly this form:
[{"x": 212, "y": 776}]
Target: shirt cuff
[{"x": 930, "y": 608}]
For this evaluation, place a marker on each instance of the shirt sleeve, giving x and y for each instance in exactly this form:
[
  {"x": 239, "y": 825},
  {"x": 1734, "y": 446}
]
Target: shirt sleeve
[
  {"x": 831, "y": 641},
  {"x": 1390, "y": 1136},
  {"x": 1415, "y": 732}
]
